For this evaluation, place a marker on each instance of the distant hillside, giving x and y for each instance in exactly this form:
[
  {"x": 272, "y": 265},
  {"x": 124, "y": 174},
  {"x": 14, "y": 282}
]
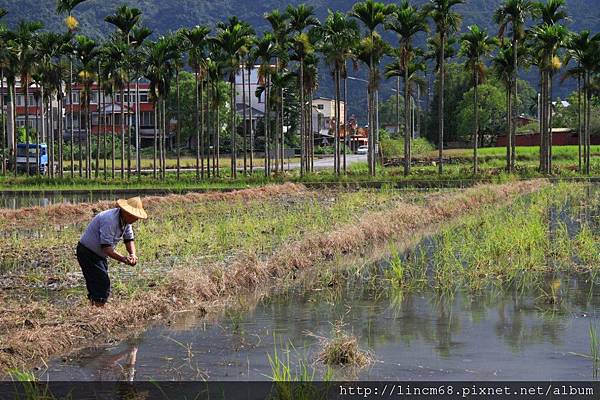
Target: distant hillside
[{"x": 165, "y": 15}]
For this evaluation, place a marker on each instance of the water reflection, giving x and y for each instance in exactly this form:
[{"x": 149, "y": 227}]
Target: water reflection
[{"x": 16, "y": 200}]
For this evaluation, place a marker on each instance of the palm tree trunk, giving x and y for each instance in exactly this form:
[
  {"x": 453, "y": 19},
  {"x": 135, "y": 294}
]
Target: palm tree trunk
[
  {"x": 122, "y": 133},
  {"x": 25, "y": 88},
  {"x": 128, "y": 125},
  {"x": 161, "y": 127},
  {"x": 232, "y": 128},
  {"x": 346, "y": 130},
  {"x": 113, "y": 137},
  {"x": 508, "y": 122},
  {"x": 514, "y": 111},
  {"x": 377, "y": 129},
  {"x": 208, "y": 128},
  {"x": 282, "y": 134},
  {"x": 251, "y": 124},
  {"x": 3, "y": 139},
  {"x": 104, "y": 133},
  {"x": 244, "y": 125},
  {"x": 407, "y": 133},
  {"x": 201, "y": 138},
  {"x": 398, "y": 108},
  {"x": 370, "y": 124},
  {"x": 550, "y": 123},
  {"x": 214, "y": 130},
  {"x": 311, "y": 132},
  {"x": 79, "y": 121},
  {"x": 155, "y": 154},
  {"x": 51, "y": 139},
  {"x": 544, "y": 123},
  {"x": 442, "y": 73},
  {"x": 276, "y": 138},
  {"x": 579, "y": 121},
  {"x": 197, "y": 123},
  {"x": 166, "y": 136},
  {"x": 13, "y": 119},
  {"x": 548, "y": 127},
  {"x": 37, "y": 136},
  {"x": 338, "y": 120},
  {"x": 476, "y": 113},
  {"x": 98, "y": 126},
  {"x": 370, "y": 112},
  {"x": 218, "y": 139},
  {"x": 70, "y": 90},
  {"x": 138, "y": 139},
  {"x": 302, "y": 117},
  {"x": 89, "y": 132},
  {"x": 267, "y": 129},
  {"x": 60, "y": 137},
  {"x": 178, "y": 123},
  {"x": 588, "y": 105}
]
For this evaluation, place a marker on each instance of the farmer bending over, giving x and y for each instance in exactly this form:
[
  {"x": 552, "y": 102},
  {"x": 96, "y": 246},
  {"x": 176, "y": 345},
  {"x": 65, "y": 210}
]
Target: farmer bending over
[{"x": 99, "y": 241}]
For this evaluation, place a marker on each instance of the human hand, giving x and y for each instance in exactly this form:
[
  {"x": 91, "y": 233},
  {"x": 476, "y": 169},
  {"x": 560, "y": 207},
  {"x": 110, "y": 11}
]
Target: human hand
[{"x": 132, "y": 260}]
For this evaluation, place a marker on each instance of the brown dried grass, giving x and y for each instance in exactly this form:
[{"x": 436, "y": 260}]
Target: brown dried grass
[{"x": 53, "y": 330}]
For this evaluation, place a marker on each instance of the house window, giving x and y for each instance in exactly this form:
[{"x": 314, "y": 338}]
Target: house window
[
  {"x": 75, "y": 97},
  {"x": 320, "y": 107},
  {"x": 147, "y": 118},
  {"x": 143, "y": 97},
  {"x": 20, "y": 100}
]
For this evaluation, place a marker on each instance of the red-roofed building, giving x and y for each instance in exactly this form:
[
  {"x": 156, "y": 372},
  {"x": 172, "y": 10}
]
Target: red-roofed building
[{"x": 108, "y": 113}]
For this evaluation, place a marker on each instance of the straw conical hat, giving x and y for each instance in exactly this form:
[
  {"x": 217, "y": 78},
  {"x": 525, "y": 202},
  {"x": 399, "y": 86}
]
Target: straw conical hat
[{"x": 133, "y": 206}]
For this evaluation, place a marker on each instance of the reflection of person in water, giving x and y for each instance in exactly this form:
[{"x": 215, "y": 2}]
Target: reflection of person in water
[
  {"x": 120, "y": 366},
  {"x": 125, "y": 360}
]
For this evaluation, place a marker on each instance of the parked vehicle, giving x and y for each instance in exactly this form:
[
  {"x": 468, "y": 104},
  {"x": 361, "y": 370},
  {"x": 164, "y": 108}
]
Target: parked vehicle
[
  {"x": 362, "y": 150},
  {"x": 42, "y": 163}
]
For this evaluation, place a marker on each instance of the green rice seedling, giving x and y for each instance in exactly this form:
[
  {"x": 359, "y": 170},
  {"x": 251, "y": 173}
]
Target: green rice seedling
[
  {"x": 395, "y": 272},
  {"x": 27, "y": 386},
  {"x": 510, "y": 247},
  {"x": 588, "y": 248},
  {"x": 291, "y": 382},
  {"x": 282, "y": 369}
]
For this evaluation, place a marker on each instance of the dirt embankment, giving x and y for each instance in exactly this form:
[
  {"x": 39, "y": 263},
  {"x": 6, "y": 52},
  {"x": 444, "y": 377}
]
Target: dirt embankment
[{"x": 29, "y": 338}]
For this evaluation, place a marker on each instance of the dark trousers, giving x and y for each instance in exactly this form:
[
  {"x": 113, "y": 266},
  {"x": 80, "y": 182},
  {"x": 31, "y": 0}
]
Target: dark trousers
[{"x": 95, "y": 272}]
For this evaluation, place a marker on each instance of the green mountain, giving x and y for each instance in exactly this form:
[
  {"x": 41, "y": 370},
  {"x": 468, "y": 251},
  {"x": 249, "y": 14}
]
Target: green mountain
[{"x": 165, "y": 15}]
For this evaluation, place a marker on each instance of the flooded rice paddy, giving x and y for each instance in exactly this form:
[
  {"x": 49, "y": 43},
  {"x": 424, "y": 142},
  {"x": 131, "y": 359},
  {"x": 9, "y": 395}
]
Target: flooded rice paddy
[
  {"x": 517, "y": 332},
  {"x": 496, "y": 336}
]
